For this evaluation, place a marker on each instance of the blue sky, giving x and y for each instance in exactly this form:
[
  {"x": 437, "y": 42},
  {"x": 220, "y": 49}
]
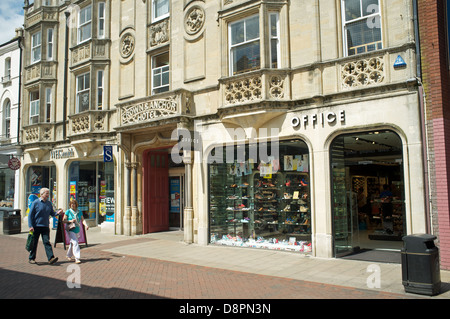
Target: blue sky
[{"x": 11, "y": 17}]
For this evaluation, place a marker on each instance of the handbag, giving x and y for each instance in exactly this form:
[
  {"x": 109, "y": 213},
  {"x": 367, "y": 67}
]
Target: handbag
[
  {"x": 71, "y": 226},
  {"x": 30, "y": 241}
]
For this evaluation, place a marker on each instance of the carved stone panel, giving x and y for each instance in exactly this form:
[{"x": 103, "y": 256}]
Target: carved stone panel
[{"x": 159, "y": 33}]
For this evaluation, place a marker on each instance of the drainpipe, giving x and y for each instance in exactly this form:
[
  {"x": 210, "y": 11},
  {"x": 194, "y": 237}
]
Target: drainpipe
[
  {"x": 19, "y": 99},
  {"x": 66, "y": 62},
  {"x": 423, "y": 116}
]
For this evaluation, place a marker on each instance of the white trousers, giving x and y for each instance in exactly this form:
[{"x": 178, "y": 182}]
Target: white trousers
[{"x": 74, "y": 247}]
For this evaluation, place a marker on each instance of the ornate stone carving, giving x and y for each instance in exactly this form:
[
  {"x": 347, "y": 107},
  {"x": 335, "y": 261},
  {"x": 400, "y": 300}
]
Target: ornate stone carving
[
  {"x": 194, "y": 20},
  {"x": 127, "y": 45},
  {"x": 32, "y": 135},
  {"x": 159, "y": 33},
  {"x": 81, "y": 53},
  {"x": 243, "y": 90},
  {"x": 362, "y": 72},
  {"x": 80, "y": 124},
  {"x": 276, "y": 89},
  {"x": 149, "y": 110}
]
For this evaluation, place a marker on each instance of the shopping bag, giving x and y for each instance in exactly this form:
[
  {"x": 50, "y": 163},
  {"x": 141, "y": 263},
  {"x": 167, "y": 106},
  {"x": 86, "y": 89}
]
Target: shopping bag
[{"x": 30, "y": 240}]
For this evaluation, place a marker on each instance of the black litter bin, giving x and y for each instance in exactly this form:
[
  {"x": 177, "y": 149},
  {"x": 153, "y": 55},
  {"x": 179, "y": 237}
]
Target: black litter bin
[
  {"x": 420, "y": 265},
  {"x": 12, "y": 221}
]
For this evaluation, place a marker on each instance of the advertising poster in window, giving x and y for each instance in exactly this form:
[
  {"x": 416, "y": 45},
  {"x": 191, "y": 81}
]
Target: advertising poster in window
[{"x": 175, "y": 195}]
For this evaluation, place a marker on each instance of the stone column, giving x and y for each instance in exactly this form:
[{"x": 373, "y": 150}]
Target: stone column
[
  {"x": 188, "y": 210},
  {"x": 134, "y": 208},
  {"x": 127, "y": 215}
]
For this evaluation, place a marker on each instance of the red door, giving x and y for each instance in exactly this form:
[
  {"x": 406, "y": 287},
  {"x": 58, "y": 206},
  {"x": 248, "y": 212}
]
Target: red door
[{"x": 156, "y": 191}]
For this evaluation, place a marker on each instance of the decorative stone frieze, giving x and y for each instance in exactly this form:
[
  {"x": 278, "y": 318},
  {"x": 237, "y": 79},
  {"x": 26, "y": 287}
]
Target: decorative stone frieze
[
  {"x": 81, "y": 53},
  {"x": 159, "y": 33},
  {"x": 362, "y": 72},
  {"x": 243, "y": 90},
  {"x": 38, "y": 133},
  {"x": 127, "y": 44},
  {"x": 88, "y": 122}
]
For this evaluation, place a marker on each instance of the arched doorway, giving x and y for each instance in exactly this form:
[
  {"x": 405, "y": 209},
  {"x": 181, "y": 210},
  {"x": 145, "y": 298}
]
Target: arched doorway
[{"x": 367, "y": 191}]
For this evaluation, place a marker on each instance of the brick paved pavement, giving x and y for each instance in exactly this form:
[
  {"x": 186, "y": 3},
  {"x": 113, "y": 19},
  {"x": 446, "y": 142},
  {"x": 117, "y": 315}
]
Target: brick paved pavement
[{"x": 108, "y": 275}]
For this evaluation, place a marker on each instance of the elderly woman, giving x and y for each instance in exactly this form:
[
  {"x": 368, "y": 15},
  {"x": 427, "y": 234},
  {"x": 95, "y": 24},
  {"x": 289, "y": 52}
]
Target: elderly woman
[{"x": 73, "y": 215}]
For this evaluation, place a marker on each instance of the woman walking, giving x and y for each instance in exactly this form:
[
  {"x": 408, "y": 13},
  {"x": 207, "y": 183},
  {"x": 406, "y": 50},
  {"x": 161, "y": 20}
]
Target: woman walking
[{"x": 73, "y": 215}]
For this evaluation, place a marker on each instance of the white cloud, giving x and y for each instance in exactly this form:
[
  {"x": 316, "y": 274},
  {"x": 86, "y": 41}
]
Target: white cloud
[{"x": 11, "y": 17}]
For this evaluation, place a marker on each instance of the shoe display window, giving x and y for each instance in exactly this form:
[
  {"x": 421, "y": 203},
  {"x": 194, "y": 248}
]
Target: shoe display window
[{"x": 262, "y": 204}]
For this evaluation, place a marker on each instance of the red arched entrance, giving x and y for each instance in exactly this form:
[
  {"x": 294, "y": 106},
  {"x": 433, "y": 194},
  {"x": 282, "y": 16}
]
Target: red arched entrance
[{"x": 155, "y": 191}]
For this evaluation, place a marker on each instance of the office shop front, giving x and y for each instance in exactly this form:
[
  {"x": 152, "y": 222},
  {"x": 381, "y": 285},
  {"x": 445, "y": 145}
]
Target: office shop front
[
  {"x": 311, "y": 180},
  {"x": 75, "y": 172}
]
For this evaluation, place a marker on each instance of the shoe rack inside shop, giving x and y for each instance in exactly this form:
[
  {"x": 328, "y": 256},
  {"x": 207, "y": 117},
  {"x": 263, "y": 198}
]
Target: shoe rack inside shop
[{"x": 260, "y": 210}]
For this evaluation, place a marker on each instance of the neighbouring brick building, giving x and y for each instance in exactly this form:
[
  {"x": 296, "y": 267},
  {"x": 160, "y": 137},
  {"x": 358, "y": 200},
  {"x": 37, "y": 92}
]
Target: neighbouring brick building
[{"x": 434, "y": 43}]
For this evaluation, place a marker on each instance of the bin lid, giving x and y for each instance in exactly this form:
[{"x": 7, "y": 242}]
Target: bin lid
[{"x": 418, "y": 242}]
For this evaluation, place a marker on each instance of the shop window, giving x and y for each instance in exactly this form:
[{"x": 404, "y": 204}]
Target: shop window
[
  {"x": 7, "y": 182},
  {"x": 38, "y": 177},
  {"x": 367, "y": 191},
  {"x": 261, "y": 203},
  {"x": 84, "y": 24},
  {"x": 160, "y": 73},
  {"x": 92, "y": 185},
  {"x": 362, "y": 26}
]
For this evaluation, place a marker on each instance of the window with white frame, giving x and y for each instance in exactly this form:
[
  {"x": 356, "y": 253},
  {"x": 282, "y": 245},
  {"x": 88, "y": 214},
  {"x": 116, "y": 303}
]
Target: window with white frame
[
  {"x": 83, "y": 92},
  {"x": 7, "y": 118},
  {"x": 160, "y": 73},
  {"x": 34, "y": 107},
  {"x": 160, "y": 9},
  {"x": 245, "y": 53},
  {"x": 84, "y": 24},
  {"x": 100, "y": 89},
  {"x": 50, "y": 44},
  {"x": 48, "y": 104},
  {"x": 36, "y": 47},
  {"x": 274, "y": 40},
  {"x": 362, "y": 26},
  {"x": 101, "y": 20},
  {"x": 7, "y": 76}
]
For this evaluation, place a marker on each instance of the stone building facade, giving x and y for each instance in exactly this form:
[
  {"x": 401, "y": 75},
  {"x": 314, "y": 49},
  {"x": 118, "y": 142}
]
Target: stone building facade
[{"x": 270, "y": 124}]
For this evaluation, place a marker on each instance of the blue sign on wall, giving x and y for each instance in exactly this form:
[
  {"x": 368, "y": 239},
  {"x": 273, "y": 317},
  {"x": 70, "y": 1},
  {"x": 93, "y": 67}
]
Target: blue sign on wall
[{"x": 107, "y": 153}]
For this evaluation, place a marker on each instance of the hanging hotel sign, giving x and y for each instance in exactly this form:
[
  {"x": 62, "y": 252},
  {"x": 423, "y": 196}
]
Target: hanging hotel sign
[
  {"x": 14, "y": 163},
  {"x": 148, "y": 111},
  {"x": 62, "y": 153},
  {"x": 318, "y": 119}
]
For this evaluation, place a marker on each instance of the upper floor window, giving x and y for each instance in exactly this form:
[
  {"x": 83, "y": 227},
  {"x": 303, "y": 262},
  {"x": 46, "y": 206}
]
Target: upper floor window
[
  {"x": 34, "y": 107},
  {"x": 245, "y": 44},
  {"x": 160, "y": 73},
  {"x": 36, "y": 47},
  {"x": 84, "y": 24},
  {"x": 48, "y": 104},
  {"x": 7, "y": 75},
  {"x": 362, "y": 26},
  {"x": 50, "y": 44},
  {"x": 101, "y": 20},
  {"x": 7, "y": 118},
  {"x": 160, "y": 9},
  {"x": 83, "y": 92},
  {"x": 100, "y": 83}
]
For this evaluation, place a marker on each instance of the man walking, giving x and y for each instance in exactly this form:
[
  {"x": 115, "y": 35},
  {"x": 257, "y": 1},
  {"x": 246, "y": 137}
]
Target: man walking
[{"x": 38, "y": 221}]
